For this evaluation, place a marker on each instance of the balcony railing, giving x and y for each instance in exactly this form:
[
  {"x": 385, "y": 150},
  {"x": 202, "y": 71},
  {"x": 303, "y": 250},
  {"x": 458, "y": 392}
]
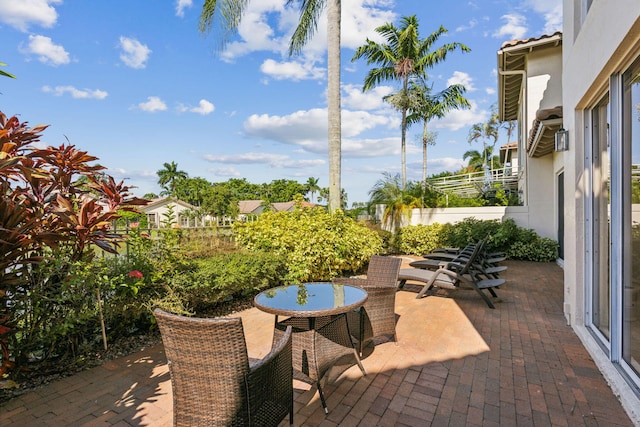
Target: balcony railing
[{"x": 473, "y": 183}]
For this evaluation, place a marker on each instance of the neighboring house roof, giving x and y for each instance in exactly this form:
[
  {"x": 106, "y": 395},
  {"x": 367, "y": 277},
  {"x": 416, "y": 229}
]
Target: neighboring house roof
[
  {"x": 254, "y": 206},
  {"x": 510, "y": 146},
  {"x": 249, "y": 206},
  {"x": 162, "y": 201},
  {"x": 289, "y": 206},
  {"x": 511, "y": 69}
]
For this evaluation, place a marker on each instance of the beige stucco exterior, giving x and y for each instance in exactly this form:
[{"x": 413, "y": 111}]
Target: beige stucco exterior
[
  {"x": 597, "y": 44},
  {"x": 530, "y": 83}
]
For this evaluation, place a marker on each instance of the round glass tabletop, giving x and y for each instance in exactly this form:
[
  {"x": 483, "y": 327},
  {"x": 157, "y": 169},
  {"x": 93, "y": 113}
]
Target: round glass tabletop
[{"x": 310, "y": 299}]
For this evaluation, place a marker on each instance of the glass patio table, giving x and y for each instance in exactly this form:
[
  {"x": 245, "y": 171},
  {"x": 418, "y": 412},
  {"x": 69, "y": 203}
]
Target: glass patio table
[{"x": 316, "y": 313}]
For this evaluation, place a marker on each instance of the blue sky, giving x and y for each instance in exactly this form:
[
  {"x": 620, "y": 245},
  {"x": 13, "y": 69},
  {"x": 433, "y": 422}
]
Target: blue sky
[{"x": 135, "y": 84}]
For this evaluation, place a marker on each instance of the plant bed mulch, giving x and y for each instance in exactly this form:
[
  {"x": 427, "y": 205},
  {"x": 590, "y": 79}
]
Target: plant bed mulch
[{"x": 61, "y": 368}]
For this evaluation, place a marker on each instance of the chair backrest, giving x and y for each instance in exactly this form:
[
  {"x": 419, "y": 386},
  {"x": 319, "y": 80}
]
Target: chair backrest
[
  {"x": 383, "y": 270},
  {"x": 208, "y": 364},
  {"x": 467, "y": 260}
]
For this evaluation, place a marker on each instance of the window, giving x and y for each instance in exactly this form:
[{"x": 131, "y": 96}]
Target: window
[
  {"x": 151, "y": 220},
  {"x": 613, "y": 221},
  {"x": 601, "y": 218}
]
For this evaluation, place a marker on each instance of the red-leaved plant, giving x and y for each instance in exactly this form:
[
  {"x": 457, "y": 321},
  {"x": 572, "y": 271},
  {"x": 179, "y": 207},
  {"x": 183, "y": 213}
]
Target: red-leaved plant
[{"x": 43, "y": 204}]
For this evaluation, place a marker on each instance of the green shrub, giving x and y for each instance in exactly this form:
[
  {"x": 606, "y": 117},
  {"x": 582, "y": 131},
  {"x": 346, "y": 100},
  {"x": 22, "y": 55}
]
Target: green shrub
[
  {"x": 469, "y": 230},
  {"x": 317, "y": 245},
  {"x": 506, "y": 236},
  {"x": 540, "y": 249},
  {"x": 221, "y": 277},
  {"x": 420, "y": 239}
]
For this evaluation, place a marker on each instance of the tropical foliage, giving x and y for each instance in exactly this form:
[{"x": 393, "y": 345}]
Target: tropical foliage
[
  {"x": 429, "y": 106},
  {"x": 507, "y": 236},
  {"x": 50, "y": 228},
  {"x": 4, "y": 73},
  {"x": 398, "y": 203},
  {"x": 312, "y": 187},
  {"x": 403, "y": 57},
  {"x": 168, "y": 176},
  {"x": 316, "y": 244}
]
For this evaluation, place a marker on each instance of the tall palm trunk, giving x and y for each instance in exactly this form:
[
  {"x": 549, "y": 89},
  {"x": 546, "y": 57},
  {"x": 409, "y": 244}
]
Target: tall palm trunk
[
  {"x": 403, "y": 142},
  {"x": 333, "y": 102},
  {"x": 424, "y": 154}
]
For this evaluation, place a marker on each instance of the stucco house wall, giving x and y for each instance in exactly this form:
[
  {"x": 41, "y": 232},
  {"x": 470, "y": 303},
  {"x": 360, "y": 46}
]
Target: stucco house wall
[
  {"x": 543, "y": 91},
  {"x": 598, "y": 42},
  {"x": 158, "y": 208}
]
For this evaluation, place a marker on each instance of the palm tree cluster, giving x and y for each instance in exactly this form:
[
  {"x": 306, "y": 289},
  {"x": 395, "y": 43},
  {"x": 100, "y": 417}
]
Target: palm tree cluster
[{"x": 405, "y": 57}]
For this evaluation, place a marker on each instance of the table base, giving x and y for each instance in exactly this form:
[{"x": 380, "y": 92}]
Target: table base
[{"x": 319, "y": 344}]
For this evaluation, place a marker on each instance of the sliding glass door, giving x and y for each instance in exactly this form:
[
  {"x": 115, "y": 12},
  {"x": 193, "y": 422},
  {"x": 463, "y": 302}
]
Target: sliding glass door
[{"x": 630, "y": 105}]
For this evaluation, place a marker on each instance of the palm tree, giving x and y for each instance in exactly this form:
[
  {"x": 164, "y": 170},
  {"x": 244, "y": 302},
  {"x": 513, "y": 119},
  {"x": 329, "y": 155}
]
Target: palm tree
[
  {"x": 433, "y": 106},
  {"x": 486, "y": 131},
  {"x": 403, "y": 56},
  {"x": 398, "y": 203},
  {"x": 231, "y": 13},
  {"x": 4, "y": 73},
  {"x": 476, "y": 159},
  {"x": 313, "y": 187},
  {"x": 510, "y": 127},
  {"x": 168, "y": 176}
]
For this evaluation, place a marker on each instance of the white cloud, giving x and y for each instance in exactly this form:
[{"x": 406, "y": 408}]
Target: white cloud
[
  {"x": 181, "y": 5},
  {"x": 490, "y": 91},
  {"x": 134, "y": 54},
  {"x": 20, "y": 14},
  {"x": 551, "y": 10},
  {"x": 514, "y": 29},
  {"x": 204, "y": 107},
  {"x": 46, "y": 51},
  {"x": 152, "y": 105},
  {"x": 360, "y": 19},
  {"x": 292, "y": 70},
  {"x": 458, "y": 119},
  {"x": 462, "y": 78},
  {"x": 308, "y": 128},
  {"x": 76, "y": 93},
  {"x": 468, "y": 26},
  {"x": 371, "y": 147},
  {"x": 270, "y": 159},
  {"x": 356, "y": 122},
  {"x": 255, "y": 32},
  {"x": 444, "y": 164},
  {"x": 225, "y": 172},
  {"x": 267, "y": 26},
  {"x": 370, "y": 100},
  {"x": 304, "y": 128}
]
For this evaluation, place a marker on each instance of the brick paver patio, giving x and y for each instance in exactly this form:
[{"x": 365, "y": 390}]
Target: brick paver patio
[{"x": 457, "y": 363}]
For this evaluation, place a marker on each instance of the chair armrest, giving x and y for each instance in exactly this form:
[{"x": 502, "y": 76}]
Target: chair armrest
[
  {"x": 270, "y": 380},
  {"x": 441, "y": 256}
]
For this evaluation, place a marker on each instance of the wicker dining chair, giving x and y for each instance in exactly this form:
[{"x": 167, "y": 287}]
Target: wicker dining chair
[
  {"x": 377, "y": 317},
  {"x": 214, "y": 381}
]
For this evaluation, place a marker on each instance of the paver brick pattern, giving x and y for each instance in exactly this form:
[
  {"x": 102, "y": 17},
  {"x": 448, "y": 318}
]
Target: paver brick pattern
[{"x": 456, "y": 363}]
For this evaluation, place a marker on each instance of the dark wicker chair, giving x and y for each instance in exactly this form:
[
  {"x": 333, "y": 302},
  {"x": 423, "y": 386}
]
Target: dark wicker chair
[
  {"x": 377, "y": 317},
  {"x": 215, "y": 382}
]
